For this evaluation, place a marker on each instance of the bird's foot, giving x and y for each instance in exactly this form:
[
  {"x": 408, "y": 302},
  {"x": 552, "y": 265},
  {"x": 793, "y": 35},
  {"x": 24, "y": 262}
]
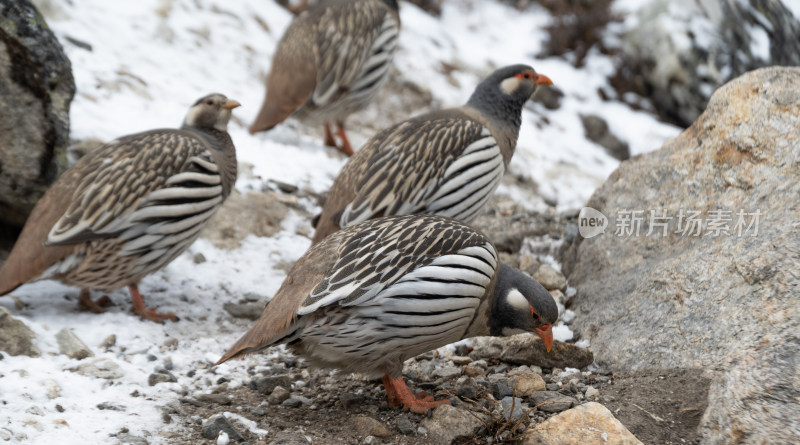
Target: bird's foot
[
  {"x": 398, "y": 394},
  {"x": 86, "y": 303},
  {"x": 329, "y": 140},
  {"x": 345, "y": 147},
  {"x": 145, "y": 312}
]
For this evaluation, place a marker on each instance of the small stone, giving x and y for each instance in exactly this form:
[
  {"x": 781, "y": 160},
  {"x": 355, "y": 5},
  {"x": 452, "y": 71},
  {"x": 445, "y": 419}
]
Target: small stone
[
  {"x": 151, "y": 358},
  {"x": 16, "y": 338},
  {"x": 248, "y": 311},
  {"x": 125, "y": 438},
  {"x": 218, "y": 399},
  {"x": 404, "y": 425},
  {"x": 367, "y": 426},
  {"x": 35, "y": 410},
  {"x": 527, "y": 383},
  {"x": 467, "y": 392},
  {"x": 101, "y": 368},
  {"x": 500, "y": 390},
  {"x": 199, "y": 258},
  {"x": 371, "y": 440},
  {"x": 472, "y": 371},
  {"x": 109, "y": 342},
  {"x": 550, "y": 278},
  {"x": 216, "y": 423},
  {"x": 552, "y": 402},
  {"x": 161, "y": 377},
  {"x": 513, "y": 408},
  {"x": 461, "y": 360},
  {"x": 447, "y": 372},
  {"x": 258, "y": 411},
  {"x": 552, "y": 387},
  {"x": 292, "y": 402},
  {"x": 350, "y": 400},
  {"x": 168, "y": 365},
  {"x": 53, "y": 390},
  {"x": 278, "y": 396},
  {"x": 284, "y": 186},
  {"x": 422, "y": 430},
  {"x": 266, "y": 384},
  {"x": 527, "y": 349},
  {"x": 591, "y": 392},
  {"x": 6, "y": 434},
  {"x": 110, "y": 406}
]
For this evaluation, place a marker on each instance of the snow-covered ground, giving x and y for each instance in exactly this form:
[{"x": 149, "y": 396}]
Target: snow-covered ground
[{"x": 149, "y": 60}]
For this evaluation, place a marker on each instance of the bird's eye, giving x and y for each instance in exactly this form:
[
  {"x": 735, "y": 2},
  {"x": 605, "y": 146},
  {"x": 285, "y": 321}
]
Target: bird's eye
[
  {"x": 534, "y": 314},
  {"x": 525, "y": 75},
  {"x": 210, "y": 102}
]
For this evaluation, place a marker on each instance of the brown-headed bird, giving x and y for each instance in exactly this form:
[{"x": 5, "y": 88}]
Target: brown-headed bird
[
  {"x": 331, "y": 62},
  {"x": 128, "y": 208}
]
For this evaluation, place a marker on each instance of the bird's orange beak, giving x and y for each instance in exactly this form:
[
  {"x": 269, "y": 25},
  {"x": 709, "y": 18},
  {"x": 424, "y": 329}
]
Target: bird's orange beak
[
  {"x": 541, "y": 79},
  {"x": 231, "y": 104},
  {"x": 546, "y": 333}
]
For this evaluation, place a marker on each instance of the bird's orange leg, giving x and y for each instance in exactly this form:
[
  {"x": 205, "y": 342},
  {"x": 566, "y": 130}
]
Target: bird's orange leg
[
  {"x": 85, "y": 302},
  {"x": 145, "y": 312},
  {"x": 398, "y": 393},
  {"x": 345, "y": 147}
]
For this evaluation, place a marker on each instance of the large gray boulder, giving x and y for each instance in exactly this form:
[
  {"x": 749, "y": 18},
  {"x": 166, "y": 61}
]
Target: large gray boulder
[
  {"x": 724, "y": 302},
  {"x": 678, "y": 52},
  {"x": 36, "y": 87}
]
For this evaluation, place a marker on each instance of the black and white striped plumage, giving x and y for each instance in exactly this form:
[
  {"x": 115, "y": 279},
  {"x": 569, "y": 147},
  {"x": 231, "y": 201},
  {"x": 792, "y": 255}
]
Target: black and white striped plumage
[
  {"x": 446, "y": 162},
  {"x": 377, "y": 293},
  {"x": 331, "y": 62},
  {"x": 130, "y": 207}
]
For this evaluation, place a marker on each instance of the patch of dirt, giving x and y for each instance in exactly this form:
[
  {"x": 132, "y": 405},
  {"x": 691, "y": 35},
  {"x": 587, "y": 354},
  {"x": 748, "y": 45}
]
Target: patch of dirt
[{"x": 658, "y": 406}]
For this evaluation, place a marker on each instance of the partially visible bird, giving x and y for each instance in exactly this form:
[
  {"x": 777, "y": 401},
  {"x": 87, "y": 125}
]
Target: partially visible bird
[
  {"x": 375, "y": 294},
  {"x": 330, "y": 63},
  {"x": 447, "y": 162},
  {"x": 128, "y": 208}
]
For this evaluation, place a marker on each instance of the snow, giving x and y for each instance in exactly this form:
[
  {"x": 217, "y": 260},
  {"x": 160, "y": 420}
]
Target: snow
[{"x": 150, "y": 59}]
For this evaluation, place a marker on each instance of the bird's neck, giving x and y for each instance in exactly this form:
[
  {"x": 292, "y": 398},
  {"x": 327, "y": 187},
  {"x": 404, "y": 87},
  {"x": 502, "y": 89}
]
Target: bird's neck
[
  {"x": 504, "y": 126},
  {"x": 224, "y": 154}
]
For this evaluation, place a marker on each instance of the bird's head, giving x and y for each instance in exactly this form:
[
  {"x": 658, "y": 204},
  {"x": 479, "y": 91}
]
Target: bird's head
[
  {"x": 521, "y": 304},
  {"x": 507, "y": 89},
  {"x": 212, "y": 111}
]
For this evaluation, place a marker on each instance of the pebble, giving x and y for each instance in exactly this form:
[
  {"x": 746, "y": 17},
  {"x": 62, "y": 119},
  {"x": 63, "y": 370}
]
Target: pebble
[
  {"x": 591, "y": 392},
  {"x": 161, "y": 377},
  {"x": 266, "y": 384},
  {"x": 258, "y": 411},
  {"x": 501, "y": 390},
  {"x": 292, "y": 402},
  {"x": 371, "y": 440},
  {"x": 168, "y": 365},
  {"x": 367, "y": 426},
  {"x": 447, "y": 372},
  {"x": 70, "y": 345},
  {"x": 552, "y": 402},
  {"x": 473, "y": 371},
  {"x": 350, "y": 400},
  {"x": 217, "y": 423},
  {"x": 109, "y": 342},
  {"x": 111, "y": 406},
  {"x": 518, "y": 409},
  {"x": 219, "y": 399},
  {"x": 467, "y": 392},
  {"x": 404, "y": 425},
  {"x": 248, "y": 311},
  {"x": 16, "y": 338},
  {"x": 6, "y": 434},
  {"x": 278, "y": 396},
  {"x": 35, "y": 410},
  {"x": 125, "y": 438},
  {"x": 550, "y": 278},
  {"x": 199, "y": 258},
  {"x": 102, "y": 368},
  {"x": 53, "y": 389},
  {"x": 552, "y": 387}
]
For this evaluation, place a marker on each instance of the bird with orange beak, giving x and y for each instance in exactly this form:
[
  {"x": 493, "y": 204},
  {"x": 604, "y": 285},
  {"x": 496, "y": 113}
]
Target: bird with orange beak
[{"x": 375, "y": 294}]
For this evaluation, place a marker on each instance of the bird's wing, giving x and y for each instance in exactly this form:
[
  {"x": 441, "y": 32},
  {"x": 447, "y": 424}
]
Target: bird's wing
[
  {"x": 431, "y": 164},
  {"x": 345, "y": 42},
  {"x": 383, "y": 258},
  {"x": 142, "y": 188}
]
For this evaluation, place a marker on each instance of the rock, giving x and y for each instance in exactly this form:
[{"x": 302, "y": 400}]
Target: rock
[
  {"x": 217, "y": 399},
  {"x": 405, "y": 426},
  {"x": 101, "y": 368},
  {"x": 216, "y": 423},
  {"x": 111, "y": 406},
  {"x": 253, "y": 213},
  {"x": 550, "y": 278},
  {"x": 350, "y": 400},
  {"x": 449, "y": 423},
  {"x": 70, "y": 345},
  {"x": 549, "y": 96},
  {"x": 527, "y": 349},
  {"x": 265, "y": 384},
  {"x": 16, "y": 338},
  {"x": 289, "y": 438},
  {"x": 714, "y": 300},
  {"x": 513, "y": 408},
  {"x": 528, "y": 383},
  {"x": 125, "y": 438},
  {"x": 551, "y": 401},
  {"x": 467, "y": 392},
  {"x": 249, "y": 311},
  {"x": 53, "y": 389},
  {"x": 364, "y": 426},
  {"x": 500, "y": 390},
  {"x": 679, "y": 52},
  {"x": 278, "y": 395},
  {"x": 446, "y": 372},
  {"x": 587, "y": 424},
  {"x": 591, "y": 392},
  {"x": 161, "y": 377},
  {"x": 292, "y": 402},
  {"x": 37, "y": 86},
  {"x": 596, "y": 130}
]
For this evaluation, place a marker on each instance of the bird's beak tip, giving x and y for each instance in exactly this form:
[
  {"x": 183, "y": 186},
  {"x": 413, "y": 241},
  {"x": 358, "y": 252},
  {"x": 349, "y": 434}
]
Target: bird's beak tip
[
  {"x": 541, "y": 79},
  {"x": 231, "y": 104},
  {"x": 546, "y": 334}
]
